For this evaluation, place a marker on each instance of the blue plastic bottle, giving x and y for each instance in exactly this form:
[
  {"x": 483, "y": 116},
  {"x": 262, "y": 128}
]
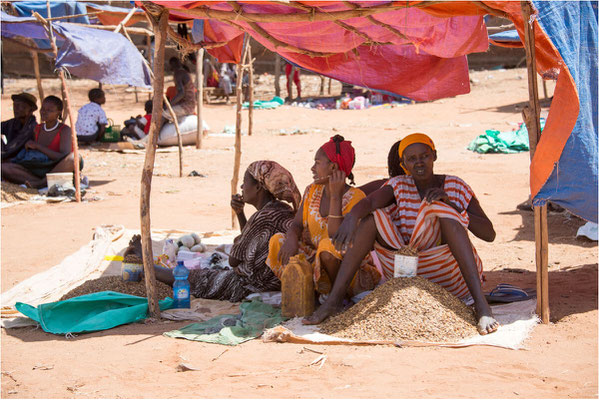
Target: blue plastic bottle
[{"x": 181, "y": 286}]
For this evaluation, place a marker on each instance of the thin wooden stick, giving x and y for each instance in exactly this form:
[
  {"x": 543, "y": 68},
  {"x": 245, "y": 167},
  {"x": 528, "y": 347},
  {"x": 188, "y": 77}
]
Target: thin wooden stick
[
  {"x": 200, "y": 97},
  {"x": 159, "y": 27},
  {"x": 277, "y": 75},
  {"x": 237, "y": 162},
  {"x": 65, "y": 95},
  {"x": 36, "y": 70},
  {"x": 56, "y": 18},
  {"x": 206, "y": 12},
  {"x": 250, "y": 90},
  {"x": 179, "y": 140},
  {"x": 491, "y": 10},
  {"x": 125, "y": 20},
  {"x": 135, "y": 30},
  {"x": 532, "y": 120}
]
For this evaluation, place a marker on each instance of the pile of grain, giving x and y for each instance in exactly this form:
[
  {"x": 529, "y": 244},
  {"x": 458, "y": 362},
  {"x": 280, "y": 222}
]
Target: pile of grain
[
  {"x": 12, "y": 193},
  {"x": 116, "y": 284},
  {"x": 405, "y": 309}
]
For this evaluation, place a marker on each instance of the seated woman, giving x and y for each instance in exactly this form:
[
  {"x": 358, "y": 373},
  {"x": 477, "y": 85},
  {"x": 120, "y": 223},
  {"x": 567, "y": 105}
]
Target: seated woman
[
  {"x": 393, "y": 167},
  {"x": 50, "y": 151},
  {"x": 433, "y": 214},
  {"x": 265, "y": 183},
  {"x": 323, "y": 207},
  {"x": 138, "y": 128}
]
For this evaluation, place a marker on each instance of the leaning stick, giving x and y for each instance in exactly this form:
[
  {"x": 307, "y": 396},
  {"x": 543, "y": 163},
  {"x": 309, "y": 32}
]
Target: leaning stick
[
  {"x": 38, "y": 78},
  {"x": 200, "y": 97},
  {"x": 250, "y": 62},
  {"x": 159, "y": 27}
]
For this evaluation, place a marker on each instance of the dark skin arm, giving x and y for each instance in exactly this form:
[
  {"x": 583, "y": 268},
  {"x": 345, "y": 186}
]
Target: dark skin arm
[
  {"x": 336, "y": 190},
  {"x": 380, "y": 198},
  {"x": 480, "y": 225},
  {"x": 101, "y": 130},
  {"x": 65, "y": 145},
  {"x": 291, "y": 245}
]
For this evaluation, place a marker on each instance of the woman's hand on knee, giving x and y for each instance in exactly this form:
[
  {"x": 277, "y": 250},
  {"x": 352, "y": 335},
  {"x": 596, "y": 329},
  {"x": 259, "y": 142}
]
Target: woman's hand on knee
[
  {"x": 345, "y": 233},
  {"x": 289, "y": 249}
]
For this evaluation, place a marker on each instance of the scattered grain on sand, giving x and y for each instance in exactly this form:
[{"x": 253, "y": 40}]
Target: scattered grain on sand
[
  {"x": 12, "y": 193},
  {"x": 405, "y": 309},
  {"x": 116, "y": 284}
]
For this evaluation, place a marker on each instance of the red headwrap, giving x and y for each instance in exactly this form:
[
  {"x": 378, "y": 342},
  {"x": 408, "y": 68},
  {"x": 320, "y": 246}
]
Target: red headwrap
[{"x": 341, "y": 153}]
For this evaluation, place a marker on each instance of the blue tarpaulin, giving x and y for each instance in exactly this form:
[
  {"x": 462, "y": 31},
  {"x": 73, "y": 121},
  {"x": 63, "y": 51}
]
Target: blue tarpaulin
[
  {"x": 572, "y": 28},
  {"x": 89, "y": 53},
  {"x": 506, "y": 36}
]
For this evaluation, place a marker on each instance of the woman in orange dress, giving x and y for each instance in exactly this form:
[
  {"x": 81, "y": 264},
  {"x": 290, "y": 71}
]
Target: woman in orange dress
[{"x": 325, "y": 203}]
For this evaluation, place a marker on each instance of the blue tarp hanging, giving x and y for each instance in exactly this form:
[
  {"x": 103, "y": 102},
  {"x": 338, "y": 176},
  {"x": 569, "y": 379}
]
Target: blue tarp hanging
[
  {"x": 103, "y": 56},
  {"x": 506, "y": 36},
  {"x": 89, "y": 53},
  {"x": 572, "y": 28}
]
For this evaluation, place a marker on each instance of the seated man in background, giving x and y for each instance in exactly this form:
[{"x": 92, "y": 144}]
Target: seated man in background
[
  {"x": 18, "y": 130},
  {"x": 91, "y": 118}
]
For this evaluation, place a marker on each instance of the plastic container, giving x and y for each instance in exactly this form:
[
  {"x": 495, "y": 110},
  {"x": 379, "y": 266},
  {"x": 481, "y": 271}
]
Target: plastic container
[
  {"x": 181, "y": 295},
  {"x": 64, "y": 179},
  {"x": 297, "y": 288},
  {"x": 405, "y": 266},
  {"x": 131, "y": 272}
]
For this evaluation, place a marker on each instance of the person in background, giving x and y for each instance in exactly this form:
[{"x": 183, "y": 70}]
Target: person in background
[
  {"x": 184, "y": 100},
  {"x": 138, "y": 128},
  {"x": 50, "y": 151},
  {"x": 292, "y": 70},
  {"x": 91, "y": 118},
  {"x": 393, "y": 167},
  {"x": 18, "y": 130}
]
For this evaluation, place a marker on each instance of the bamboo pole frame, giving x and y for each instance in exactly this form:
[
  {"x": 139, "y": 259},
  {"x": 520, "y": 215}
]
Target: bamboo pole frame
[
  {"x": 200, "y": 99},
  {"x": 159, "y": 25},
  {"x": 532, "y": 119},
  {"x": 250, "y": 66},
  {"x": 235, "y": 178},
  {"x": 65, "y": 93},
  {"x": 277, "y": 75},
  {"x": 38, "y": 78}
]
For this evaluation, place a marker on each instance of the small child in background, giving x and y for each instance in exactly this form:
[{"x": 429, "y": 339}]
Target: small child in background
[
  {"x": 91, "y": 118},
  {"x": 138, "y": 128}
]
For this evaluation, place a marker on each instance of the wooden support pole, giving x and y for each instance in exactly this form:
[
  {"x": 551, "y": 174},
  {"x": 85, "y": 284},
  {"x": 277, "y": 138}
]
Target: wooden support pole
[
  {"x": 250, "y": 63},
  {"x": 125, "y": 20},
  {"x": 159, "y": 27},
  {"x": 200, "y": 98},
  {"x": 321, "y": 92},
  {"x": 330, "y": 85},
  {"x": 65, "y": 95},
  {"x": 179, "y": 140},
  {"x": 38, "y": 78},
  {"x": 237, "y": 162},
  {"x": 277, "y": 75},
  {"x": 533, "y": 124}
]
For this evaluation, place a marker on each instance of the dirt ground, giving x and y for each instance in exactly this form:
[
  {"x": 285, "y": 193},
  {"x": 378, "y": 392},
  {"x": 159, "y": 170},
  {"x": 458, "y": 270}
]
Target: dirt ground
[{"x": 560, "y": 359}]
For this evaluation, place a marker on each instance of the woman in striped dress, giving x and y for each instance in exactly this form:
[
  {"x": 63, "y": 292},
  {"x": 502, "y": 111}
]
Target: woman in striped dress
[{"x": 429, "y": 212}]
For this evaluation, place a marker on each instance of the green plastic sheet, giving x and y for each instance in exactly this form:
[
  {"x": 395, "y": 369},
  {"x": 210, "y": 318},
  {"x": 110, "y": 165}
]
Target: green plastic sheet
[
  {"x": 265, "y": 105},
  {"x": 90, "y": 312},
  {"x": 231, "y": 329},
  {"x": 494, "y": 141}
]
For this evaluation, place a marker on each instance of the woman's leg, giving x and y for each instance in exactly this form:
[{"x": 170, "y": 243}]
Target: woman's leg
[
  {"x": 457, "y": 239},
  {"x": 365, "y": 236},
  {"x": 18, "y": 174}
]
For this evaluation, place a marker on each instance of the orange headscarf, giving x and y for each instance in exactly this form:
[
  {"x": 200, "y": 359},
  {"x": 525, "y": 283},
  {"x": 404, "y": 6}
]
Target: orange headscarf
[{"x": 411, "y": 139}]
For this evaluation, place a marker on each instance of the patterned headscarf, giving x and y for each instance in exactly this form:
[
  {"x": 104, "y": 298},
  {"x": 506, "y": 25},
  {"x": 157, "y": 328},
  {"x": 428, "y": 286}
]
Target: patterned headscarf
[{"x": 277, "y": 180}]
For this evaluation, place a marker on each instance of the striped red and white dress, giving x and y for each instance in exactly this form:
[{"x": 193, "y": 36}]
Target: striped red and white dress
[{"x": 412, "y": 221}]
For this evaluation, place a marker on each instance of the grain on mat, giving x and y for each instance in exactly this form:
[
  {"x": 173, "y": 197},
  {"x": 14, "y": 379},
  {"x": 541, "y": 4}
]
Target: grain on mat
[
  {"x": 116, "y": 284},
  {"x": 405, "y": 309},
  {"x": 12, "y": 193}
]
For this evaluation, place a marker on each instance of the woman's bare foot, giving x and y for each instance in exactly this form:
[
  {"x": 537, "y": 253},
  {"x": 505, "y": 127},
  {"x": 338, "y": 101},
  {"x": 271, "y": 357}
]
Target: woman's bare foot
[
  {"x": 486, "y": 322},
  {"x": 323, "y": 312}
]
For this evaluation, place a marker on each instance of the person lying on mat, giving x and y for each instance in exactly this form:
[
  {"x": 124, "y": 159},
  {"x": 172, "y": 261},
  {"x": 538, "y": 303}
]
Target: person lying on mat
[
  {"x": 433, "y": 214},
  {"x": 265, "y": 184},
  {"x": 393, "y": 167},
  {"x": 50, "y": 151},
  {"x": 325, "y": 203}
]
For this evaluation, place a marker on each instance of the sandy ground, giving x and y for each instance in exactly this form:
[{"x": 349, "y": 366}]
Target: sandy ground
[{"x": 137, "y": 361}]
